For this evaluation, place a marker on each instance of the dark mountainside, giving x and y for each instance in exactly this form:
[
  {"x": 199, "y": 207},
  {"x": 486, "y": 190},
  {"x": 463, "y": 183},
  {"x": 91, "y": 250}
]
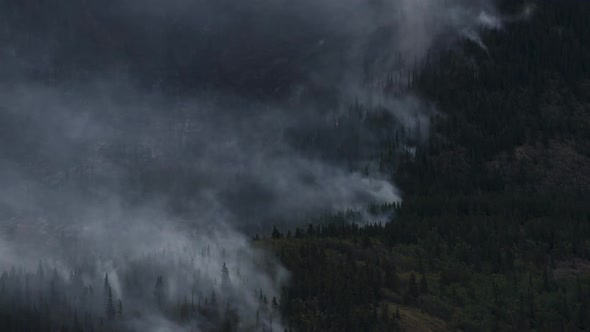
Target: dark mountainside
[
  {"x": 493, "y": 232},
  {"x": 294, "y": 166}
]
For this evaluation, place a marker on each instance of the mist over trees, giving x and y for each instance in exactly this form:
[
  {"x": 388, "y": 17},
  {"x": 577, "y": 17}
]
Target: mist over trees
[{"x": 147, "y": 291}]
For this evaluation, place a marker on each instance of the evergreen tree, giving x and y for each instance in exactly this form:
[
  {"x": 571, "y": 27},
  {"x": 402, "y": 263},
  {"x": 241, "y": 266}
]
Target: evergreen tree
[
  {"x": 159, "y": 291},
  {"x": 108, "y": 297},
  {"x": 225, "y": 280}
]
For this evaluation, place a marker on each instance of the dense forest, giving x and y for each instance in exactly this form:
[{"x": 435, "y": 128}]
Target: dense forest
[{"x": 492, "y": 234}]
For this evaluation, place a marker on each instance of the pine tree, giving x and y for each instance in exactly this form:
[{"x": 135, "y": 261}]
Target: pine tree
[
  {"x": 108, "y": 296},
  {"x": 159, "y": 291},
  {"x": 225, "y": 281},
  {"x": 276, "y": 234}
]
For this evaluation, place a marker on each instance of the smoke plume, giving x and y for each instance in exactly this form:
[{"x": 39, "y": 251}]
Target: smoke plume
[{"x": 144, "y": 142}]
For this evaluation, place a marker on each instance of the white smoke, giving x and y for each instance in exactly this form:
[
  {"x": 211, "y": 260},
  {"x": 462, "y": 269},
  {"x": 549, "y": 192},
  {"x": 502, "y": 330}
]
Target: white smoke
[{"x": 226, "y": 161}]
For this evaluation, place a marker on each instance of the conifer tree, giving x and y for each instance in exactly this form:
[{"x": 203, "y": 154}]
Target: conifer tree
[
  {"x": 159, "y": 291},
  {"x": 108, "y": 297}
]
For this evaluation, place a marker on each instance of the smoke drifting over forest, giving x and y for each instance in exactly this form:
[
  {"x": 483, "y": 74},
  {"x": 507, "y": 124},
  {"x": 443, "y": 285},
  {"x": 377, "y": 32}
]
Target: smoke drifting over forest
[{"x": 152, "y": 138}]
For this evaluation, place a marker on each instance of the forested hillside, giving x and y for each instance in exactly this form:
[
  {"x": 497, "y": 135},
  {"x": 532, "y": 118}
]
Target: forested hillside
[
  {"x": 215, "y": 166},
  {"x": 494, "y": 230}
]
